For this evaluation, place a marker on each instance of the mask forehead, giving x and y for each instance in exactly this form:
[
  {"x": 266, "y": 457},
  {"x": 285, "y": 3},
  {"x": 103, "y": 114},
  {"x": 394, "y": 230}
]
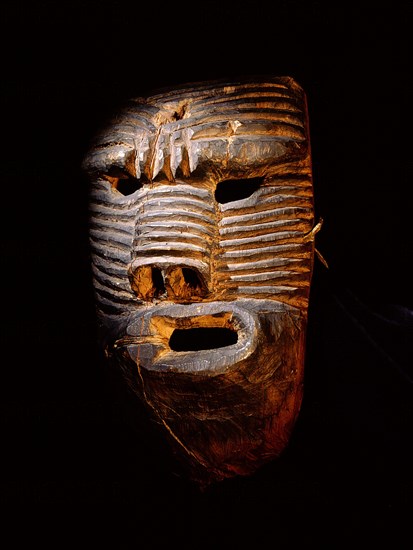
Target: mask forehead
[{"x": 216, "y": 131}]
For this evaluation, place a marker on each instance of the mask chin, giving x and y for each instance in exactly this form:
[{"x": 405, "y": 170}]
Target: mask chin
[{"x": 225, "y": 411}]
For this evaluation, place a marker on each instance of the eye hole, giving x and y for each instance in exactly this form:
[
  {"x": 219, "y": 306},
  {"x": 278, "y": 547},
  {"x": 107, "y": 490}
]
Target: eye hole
[
  {"x": 236, "y": 190},
  {"x": 123, "y": 182},
  {"x": 157, "y": 281},
  {"x": 147, "y": 282},
  {"x": 127, "y": 186}
]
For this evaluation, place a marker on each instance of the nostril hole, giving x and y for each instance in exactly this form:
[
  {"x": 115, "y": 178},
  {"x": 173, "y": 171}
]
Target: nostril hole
[
  {"x": 195, "y": 339},
  {"x": 185, "y": 284},
  {"x": 191, "y": 277},
  {"x": 157, "y": 280},
  {"x": 147, "y": 282}
]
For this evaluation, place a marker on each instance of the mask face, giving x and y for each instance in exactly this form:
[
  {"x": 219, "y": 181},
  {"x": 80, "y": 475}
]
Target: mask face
[{"x": 201, "y": 239}]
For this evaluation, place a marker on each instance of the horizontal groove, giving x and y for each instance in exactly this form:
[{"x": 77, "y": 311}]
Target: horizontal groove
[
  {"x": 182, "y": 214},
  {"x": 179, "y": 190},
  {"x": 218, "y": 90},
  {"x": 267, "y": 289},
  {"x": 275, "y": 262},
  {"x": 250, "y": 116},
  {"x": 259, "y": 202},
  {"x": 255, "y": 116},
  {"x": 114, "y": 211},
  {"x": 262, "y": 238},
  {"x": 294, "y": 248},
  {"x": 276, "y": 280},
  {"x": 251, "y": 219},
  {"x": 280, "y": 95},
  {"x": 118, "y": 285},
  {"x": 169, "y": 237},
  {"x": 252, "y": 127},
  {"x": 295, "y": 179},
  {"x": 113, "y": 237},
  {"x": 114, "y": 226},
  {"x": 109, "y": 252},
  {"x": 190, "y": 227},
  {"x": 137, "y": 120},
  {"x": 265, "y": 228},
  {"x": 121, "y": 298},
  {"x": 115, "y": 201},
  {"x": 110, "y": 266},
  {"x": 265, "y": 276},
  {"x": 175, "y": 203},
  {"x": 255, "y": 111},
  {"x": 112, "y": 143},
  {"x": 169, "y": 246},
  {"x": 270, "y": 188},
  {"x": 277, "y": 103},
  {"x": 224, "y": 264}
]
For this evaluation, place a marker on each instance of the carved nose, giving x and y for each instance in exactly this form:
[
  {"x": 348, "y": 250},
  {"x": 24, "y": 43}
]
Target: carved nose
[{"x": 178, "y": 283}]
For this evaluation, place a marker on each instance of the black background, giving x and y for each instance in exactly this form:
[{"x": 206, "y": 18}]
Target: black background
[{"x": 74, "y": 470}]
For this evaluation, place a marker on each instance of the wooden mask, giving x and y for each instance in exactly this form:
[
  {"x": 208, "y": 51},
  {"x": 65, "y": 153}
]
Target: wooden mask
[{"x": 201, "y": 234}]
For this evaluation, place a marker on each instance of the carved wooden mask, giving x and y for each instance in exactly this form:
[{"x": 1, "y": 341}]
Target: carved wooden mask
[{"x": 201, "y": 239}]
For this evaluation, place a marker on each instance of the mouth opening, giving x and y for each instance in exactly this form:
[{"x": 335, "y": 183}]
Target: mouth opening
[{"x": 196, "y": 339}]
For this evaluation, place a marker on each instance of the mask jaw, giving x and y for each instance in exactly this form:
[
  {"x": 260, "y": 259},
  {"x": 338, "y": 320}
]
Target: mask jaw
[{"x": 227, "y": 411}]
